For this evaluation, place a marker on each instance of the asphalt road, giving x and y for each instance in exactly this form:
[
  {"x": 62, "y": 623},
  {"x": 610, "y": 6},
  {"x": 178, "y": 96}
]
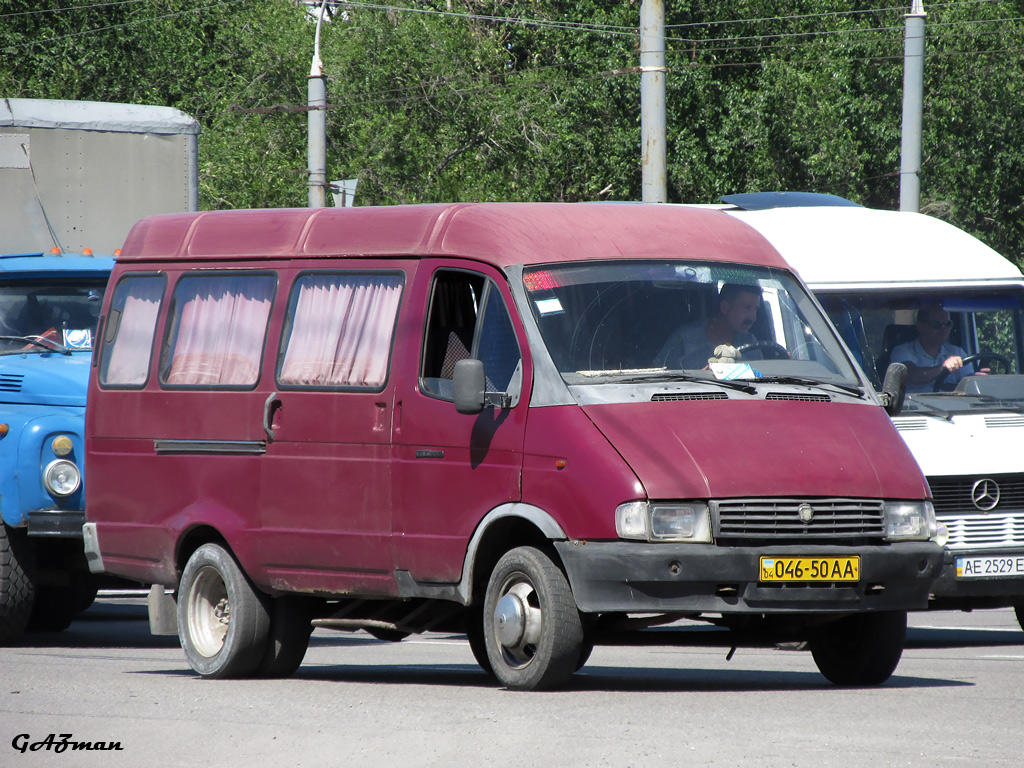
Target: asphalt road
[{"x": 955, "y": 700}]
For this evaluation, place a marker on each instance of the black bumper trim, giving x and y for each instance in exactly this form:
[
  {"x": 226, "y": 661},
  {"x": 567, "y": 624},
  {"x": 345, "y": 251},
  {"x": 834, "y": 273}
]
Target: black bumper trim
[
  {"x": 637, "y": 577},
  {"x": 66, "y": 523}
]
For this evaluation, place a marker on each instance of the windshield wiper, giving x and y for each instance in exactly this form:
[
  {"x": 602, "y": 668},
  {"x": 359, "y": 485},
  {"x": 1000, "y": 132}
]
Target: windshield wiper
[
  {"x": 740, "y": 385},
  {"x": 930, "y": 409},
  {"x": 855, "y": 391},
  {"x": 40, "y": 341}
]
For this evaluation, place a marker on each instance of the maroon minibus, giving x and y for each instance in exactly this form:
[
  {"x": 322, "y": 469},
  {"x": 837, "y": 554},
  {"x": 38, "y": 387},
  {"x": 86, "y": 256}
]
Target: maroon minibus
[{"x": 544, "y": 426}]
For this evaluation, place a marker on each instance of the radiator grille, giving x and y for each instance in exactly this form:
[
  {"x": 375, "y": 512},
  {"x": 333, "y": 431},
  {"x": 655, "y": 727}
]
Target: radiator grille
[
  {"x": 972, "y": 526},
  {"x": 779, "y": 520}
]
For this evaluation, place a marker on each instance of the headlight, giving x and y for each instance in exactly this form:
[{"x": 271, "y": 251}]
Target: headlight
[
  {"x": 61, "y": 477},
  {"x": 910, "y": 520},
  {"x": 663, "y": 522}
]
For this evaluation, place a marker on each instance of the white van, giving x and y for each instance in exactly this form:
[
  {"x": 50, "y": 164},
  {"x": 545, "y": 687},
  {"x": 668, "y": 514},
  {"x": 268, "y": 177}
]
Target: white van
[{"x": 873, "y": 271}]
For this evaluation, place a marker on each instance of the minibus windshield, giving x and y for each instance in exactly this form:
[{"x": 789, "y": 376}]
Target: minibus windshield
[
  {"x": 626, "y": 321},
  {"x": 45, "y": 315},
  {"x": 981, "y": 326}
]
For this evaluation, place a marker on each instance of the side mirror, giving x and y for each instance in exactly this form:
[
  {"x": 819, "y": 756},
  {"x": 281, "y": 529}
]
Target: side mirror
[
  {"x": 894, "y": 388},
  {"x": 468, "y": 385}
]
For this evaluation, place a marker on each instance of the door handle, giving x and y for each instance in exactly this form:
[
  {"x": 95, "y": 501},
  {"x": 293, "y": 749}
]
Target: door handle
[{"x": 268, "y": 409}]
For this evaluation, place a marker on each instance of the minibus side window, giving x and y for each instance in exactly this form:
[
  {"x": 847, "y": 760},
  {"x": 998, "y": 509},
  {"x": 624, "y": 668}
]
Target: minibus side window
[
  {"x": 127, "y": 348},
  {"x": 497, "y": 347},
  {"x": 458, "y": 301},
  {"x": 339, "y": 332},
  {"x": 217, "y": 330}
]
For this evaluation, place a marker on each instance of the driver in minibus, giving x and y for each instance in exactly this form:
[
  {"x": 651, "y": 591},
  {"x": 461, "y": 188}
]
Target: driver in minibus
[{"x": 692, "y": 346}]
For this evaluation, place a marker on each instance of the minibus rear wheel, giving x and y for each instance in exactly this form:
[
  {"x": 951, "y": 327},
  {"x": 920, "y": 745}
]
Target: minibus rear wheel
[
  {"x": 532, "y": 628},
  {"x": 862, "y": 649},
  {"x": 291, "y": 624},
  {"x": 223, "y": 622}
]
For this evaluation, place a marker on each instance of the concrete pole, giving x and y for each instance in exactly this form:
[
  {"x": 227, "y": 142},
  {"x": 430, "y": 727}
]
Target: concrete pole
[
  {"x": 317, "y": 125},
  {"x": 913, "y": 107},
  {"x": 654, "y": 185}
]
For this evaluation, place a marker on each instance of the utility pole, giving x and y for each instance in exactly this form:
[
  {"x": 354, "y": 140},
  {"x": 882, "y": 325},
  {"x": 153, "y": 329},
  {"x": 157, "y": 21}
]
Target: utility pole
[
  {"x": 913, "y": 106},
  {"x": 654, "y": 185},
  {"x": 317, "y": 125}
]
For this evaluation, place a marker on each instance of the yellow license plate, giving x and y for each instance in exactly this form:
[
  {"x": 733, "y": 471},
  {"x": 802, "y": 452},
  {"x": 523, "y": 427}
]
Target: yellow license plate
[{"x": 810, "y": 568}]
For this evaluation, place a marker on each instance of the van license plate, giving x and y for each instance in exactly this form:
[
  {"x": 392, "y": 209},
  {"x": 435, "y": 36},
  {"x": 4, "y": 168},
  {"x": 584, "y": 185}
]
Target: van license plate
[
  {"x": 830, "y": 569},
  {"x": 989, "y": 567}
]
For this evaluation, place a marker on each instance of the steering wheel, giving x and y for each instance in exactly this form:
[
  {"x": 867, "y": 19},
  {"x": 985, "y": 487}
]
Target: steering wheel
[
  {"x": 770, "y": 349},
  {"x": 969, "y": 359}
]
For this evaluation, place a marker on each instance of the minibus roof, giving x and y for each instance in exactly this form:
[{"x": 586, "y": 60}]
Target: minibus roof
[
  {"x": 843, "y": 246},
  {"x": 502, "y": 234}
]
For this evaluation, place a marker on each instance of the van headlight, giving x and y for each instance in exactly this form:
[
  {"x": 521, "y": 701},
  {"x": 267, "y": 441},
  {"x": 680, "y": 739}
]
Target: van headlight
[
  {"x": 910, "y": 521},
  {"x": 658, "y": 521},
  {"x": 61, "y": 477}
]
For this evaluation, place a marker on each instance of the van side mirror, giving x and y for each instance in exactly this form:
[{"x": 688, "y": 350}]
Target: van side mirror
[
  {"x": 468, "y": 385},
  {"x": 894, "y": 388}
]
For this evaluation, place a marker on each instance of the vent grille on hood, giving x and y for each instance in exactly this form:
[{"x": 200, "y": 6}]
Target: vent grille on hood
[
  {"x": 808, "y": 398},
  {"x": 11, "y": 382},
  {"x": 690, "y": 396}
]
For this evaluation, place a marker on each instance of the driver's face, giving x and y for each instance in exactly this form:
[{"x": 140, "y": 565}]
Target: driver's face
[{"x": 741, "y": 311}]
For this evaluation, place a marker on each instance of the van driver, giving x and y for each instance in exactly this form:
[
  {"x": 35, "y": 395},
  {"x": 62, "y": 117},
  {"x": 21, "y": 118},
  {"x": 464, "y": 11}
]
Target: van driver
[{"x": 691, "y": 346}]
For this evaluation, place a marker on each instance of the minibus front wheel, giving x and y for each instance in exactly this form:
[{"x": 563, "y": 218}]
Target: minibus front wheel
[
  {"x": 533, "y": 633},
  {"x": 862, "y": 649},
  {"x": 223, "y": 621}
]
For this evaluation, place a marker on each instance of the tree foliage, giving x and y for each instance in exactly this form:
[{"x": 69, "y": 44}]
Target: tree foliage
[{"x": 540, "y": 99}]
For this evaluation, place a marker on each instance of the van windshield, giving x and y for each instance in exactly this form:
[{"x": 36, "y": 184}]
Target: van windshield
[
  {"x": 610, "y": 321},
  {"x": 982, "y": 327},
  {"x": 41, "y": 315}
]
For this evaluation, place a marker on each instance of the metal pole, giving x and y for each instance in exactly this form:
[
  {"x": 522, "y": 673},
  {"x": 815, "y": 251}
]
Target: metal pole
[
  {"x": 913, "y": 107},
  {"x": 317, "y": 125},
  {"x": 654, "y": 185}
]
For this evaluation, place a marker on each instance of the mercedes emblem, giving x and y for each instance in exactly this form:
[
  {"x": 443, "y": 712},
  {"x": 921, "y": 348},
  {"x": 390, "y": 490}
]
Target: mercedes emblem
[{"x": 985, "y": 494}]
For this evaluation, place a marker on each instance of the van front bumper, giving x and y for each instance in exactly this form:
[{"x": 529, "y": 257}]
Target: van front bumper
[
  {"x": 638, "y": 577},
  {"x": 953, "y": 591}
]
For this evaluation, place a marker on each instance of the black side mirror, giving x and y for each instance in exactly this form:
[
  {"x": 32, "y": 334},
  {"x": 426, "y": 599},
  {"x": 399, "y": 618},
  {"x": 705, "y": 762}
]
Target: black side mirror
[
  {"x": 894, "y": 388},
  {"x": 468, "y": 385}
]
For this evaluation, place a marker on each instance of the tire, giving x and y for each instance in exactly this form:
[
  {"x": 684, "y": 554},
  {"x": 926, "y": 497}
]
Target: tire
[
  {"x": 863, "y": 649},
  {"x": 586, "y": 649},
  {"x": 1019, "y": 610},
  {"x": 532, "y": 628},
  {"x": 290, "y": 627},
  {"x": 54, "y": 609},
  {"x": 223, "y": 622},
  {"x": 475, "y": 635},
  {"x": 17, "y": 590}
]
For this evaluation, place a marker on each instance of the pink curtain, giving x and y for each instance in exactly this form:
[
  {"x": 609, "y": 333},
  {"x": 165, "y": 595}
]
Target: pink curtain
[
  {"x": 127, "y": 362},
  {"x": 341, "y": 331},
  {"x": 221, "y": 328}
]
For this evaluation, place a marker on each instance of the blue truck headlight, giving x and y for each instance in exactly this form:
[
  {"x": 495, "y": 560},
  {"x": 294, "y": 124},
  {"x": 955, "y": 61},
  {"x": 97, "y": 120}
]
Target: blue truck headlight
[{"x": 62, "y": 478}]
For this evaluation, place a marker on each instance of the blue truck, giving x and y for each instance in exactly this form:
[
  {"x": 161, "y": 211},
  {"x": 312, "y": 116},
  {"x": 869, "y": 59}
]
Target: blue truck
[{"x": 74, "y": 177}]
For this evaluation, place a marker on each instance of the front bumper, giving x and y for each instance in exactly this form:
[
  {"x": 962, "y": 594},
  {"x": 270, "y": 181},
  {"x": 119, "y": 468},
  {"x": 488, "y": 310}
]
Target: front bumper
[
  {"x": 953, "y": 592},
  {"x": 637, "y": 577}
]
